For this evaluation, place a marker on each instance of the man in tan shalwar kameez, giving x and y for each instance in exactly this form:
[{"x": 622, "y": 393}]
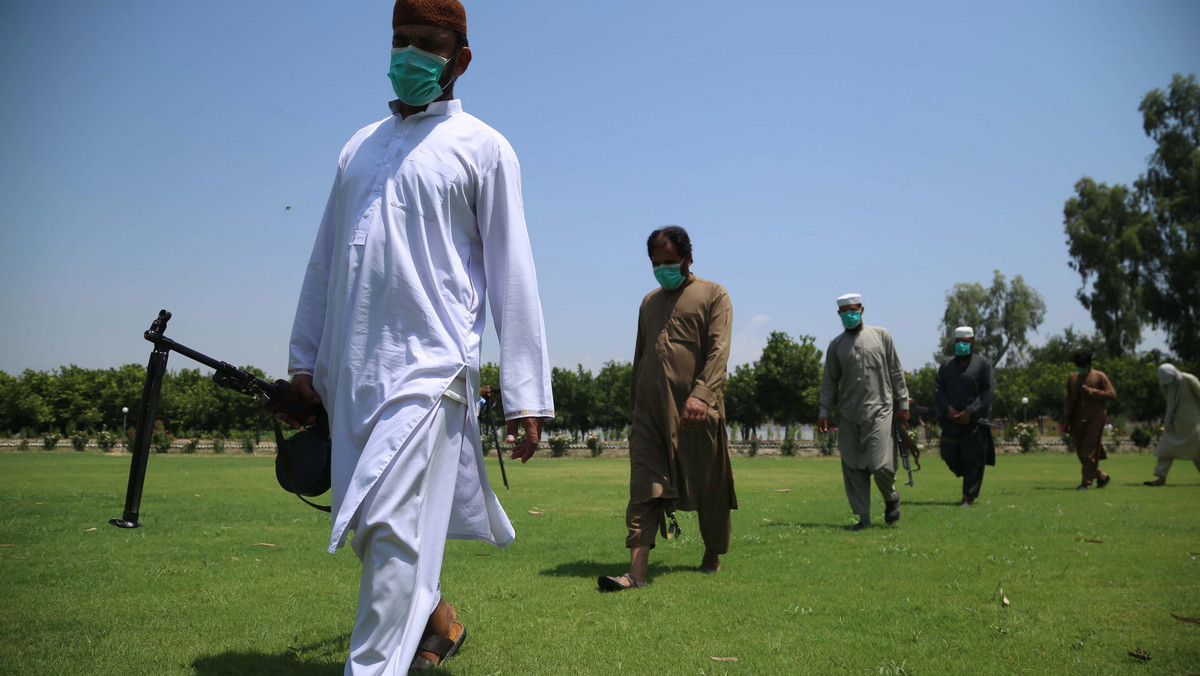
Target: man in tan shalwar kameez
[
  {"x": 1181, "y": 423},
  {"x": 1086, "y": 414},
  {"x": 678, "y": 448}
]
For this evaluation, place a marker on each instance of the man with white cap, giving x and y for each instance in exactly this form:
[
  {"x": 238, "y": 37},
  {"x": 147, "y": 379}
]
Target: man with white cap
[
  {"x": 862, "y": 387},
  {"x": 964, "y": 390},
  {"x": 1181, "y": 425},
  {"x": 425, "y": 218}
]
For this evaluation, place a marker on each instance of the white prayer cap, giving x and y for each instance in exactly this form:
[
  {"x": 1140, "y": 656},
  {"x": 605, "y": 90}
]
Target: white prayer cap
[
  {"x": 964, "y": 332},
  {"x": 849, "y": 299},
  {"x": 1167, "y": 374}
]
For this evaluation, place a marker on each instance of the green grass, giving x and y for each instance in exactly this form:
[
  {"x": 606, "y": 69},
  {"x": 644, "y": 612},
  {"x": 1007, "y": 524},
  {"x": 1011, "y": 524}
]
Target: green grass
[{"x": 193, "y": 592}]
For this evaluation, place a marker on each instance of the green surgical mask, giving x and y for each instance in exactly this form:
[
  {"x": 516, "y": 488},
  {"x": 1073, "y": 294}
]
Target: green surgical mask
[
  {"x": 415, "y": 75},
  {"x": 670, "y": 275},
  {"x": 851, "y": 318},
  {"x": 962, "y": 349},
  {"x": 1083, "y": 369}
]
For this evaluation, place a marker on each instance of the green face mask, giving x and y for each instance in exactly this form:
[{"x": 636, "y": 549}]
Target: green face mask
[
  {"x": 1083, "y": 369},
  {"x": 415, "y": 75},
  {"x": 962, "y": 349},
  {"x": 851, "y": 318},
  {"x": 670, "y": 276}
]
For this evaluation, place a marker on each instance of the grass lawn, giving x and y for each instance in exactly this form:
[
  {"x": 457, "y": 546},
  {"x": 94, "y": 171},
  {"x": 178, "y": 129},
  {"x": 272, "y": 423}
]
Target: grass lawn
[{"x": 229, "y": 574}]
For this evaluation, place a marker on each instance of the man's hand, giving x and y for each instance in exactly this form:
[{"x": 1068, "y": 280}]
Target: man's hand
[
  {"x": 694, "y": 413},
  {"x": 960, "y": 417},
  {"x": 533, "y": 433},
  {"x": 823, "y": 425},
  {"x": 302, "y": 386},
  {"x": 902, "y": 414}
]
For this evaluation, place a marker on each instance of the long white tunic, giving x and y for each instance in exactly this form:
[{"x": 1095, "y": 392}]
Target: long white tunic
[{"x": 425, "y": 216}]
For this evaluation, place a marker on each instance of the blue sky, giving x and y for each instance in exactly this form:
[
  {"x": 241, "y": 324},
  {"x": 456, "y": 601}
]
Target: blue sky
[{"x": 148, "y": 151}]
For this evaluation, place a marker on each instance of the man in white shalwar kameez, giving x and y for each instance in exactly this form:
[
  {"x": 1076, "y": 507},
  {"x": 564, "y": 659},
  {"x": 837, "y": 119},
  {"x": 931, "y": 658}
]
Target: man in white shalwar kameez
[
  {"x": 424, "y": 219},
  {"x": 863, "y": 386}
]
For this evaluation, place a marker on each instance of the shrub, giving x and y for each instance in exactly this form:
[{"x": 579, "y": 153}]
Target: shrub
[
  {"x": 50, "y": 441},
  {"x": 160, "y": 441},
  {"x": 79, "y": 441},
  {"x": 106, "y": 440},
  {"x": 595, "y": 445},
  {"x": 752, "y": 449},
  {"x": 559, "y": 443},
  {"x": 218, "y": 446},
  {"x": 1141, "y": 436},
  {"x": 24, "y": 445},
  {"x": 191, "y": 446},
  {"x": 248, "y": 445},
  {"x": 1028, "y": 437},
  {"x": 827, "y": 443},
  {"x": 788, "y": 448}
]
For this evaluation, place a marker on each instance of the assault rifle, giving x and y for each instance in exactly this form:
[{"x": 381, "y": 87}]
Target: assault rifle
[
  {"x": 486, "y": 405},
  {"x": 908, "y": 449},
  {"x": 276, "y": 397}
]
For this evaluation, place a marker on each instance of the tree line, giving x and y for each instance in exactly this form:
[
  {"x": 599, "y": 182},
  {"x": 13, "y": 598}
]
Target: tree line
[
  {"x": 73, "y": 399},
  {"x": 781, "y": 387}
]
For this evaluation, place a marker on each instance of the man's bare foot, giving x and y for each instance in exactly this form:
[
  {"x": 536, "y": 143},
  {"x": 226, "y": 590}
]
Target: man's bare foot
[
  {"x": 441, "y": 622},
  {"x": 711, "y": 563}
]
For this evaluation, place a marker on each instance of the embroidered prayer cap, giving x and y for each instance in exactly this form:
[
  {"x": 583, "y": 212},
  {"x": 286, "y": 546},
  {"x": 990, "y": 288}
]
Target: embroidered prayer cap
[
  {"x": 448, "y": 14},
  {"x": 1167, "y": 374},
  {"x": 964, "y": 332},
  {"x": 849, "y": 299}
]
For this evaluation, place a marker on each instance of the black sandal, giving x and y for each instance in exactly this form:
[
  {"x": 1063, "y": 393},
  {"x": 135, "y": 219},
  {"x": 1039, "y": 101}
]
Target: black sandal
[{"x": 611, "y": 584}]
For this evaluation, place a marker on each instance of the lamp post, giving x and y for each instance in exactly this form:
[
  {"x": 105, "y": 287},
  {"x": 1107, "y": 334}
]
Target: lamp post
[
  {"x": 1024, "y": 409},
  {"x": 125, "y": 427}
]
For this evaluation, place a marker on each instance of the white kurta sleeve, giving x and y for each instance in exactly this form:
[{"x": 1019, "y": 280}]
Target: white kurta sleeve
[
  {"x": 513, "y": 292},
  {"x": 309, "y": 324}
]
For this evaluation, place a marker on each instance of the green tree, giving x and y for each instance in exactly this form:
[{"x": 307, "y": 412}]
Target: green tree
[
  {"x": 1003, "y": 315},
  {"x": 741, "y": 400},
  {"x": 1059, "y": 349},
  {"x": 1138, "y": 251},
  {"x": 612, "y": 386},
  {"x": 575, "y": 398},
  {"x": 787, "y": 379}
]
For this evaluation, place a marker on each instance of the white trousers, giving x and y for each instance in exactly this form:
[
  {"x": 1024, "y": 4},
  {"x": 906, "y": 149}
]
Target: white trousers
[{"x": 400, "y": 537}]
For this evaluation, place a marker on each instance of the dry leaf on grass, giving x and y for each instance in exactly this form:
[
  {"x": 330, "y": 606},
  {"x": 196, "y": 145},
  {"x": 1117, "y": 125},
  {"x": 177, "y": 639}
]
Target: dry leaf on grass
[
  {"x": 7, "y": 545},
  {"x": 766, "y": 521},
  {"x": 533, "y": 513},
  {"x": 1086, "y": 540},
  {"x": 263, "y": 544},
  {"x": 1193, "y": 620},
  {"x": 1003, "y": 599},
  {"x": 780, "y": 490},
  {"x": 90, "y": 529},
  {"x": 1076, "y": 551},
  {"x": 722, "y": 659},
  {"x": 1140, "y": 654}
]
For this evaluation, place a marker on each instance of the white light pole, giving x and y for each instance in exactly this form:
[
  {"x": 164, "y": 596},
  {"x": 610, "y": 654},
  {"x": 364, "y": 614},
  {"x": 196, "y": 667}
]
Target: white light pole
[
  {"x": 125, "y": 427},
  {"x": 1024, "y": 410}
]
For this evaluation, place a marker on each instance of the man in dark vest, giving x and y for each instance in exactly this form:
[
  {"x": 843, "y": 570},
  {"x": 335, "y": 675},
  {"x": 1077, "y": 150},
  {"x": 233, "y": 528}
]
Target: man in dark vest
[{"x": 963, "y": 391}]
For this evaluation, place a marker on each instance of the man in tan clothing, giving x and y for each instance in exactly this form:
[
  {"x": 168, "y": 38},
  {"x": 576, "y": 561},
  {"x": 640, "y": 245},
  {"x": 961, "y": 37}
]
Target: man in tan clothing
[
  {"x": 1088, "y": 393},
  {"x": 678, "y": 448}
]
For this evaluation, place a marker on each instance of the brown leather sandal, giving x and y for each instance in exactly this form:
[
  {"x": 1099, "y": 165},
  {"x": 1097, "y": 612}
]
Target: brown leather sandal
[{"x": 444, "y": 647}]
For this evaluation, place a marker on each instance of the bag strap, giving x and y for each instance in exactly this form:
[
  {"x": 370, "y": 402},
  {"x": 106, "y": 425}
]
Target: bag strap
[{"x": 285, "y": 460}]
